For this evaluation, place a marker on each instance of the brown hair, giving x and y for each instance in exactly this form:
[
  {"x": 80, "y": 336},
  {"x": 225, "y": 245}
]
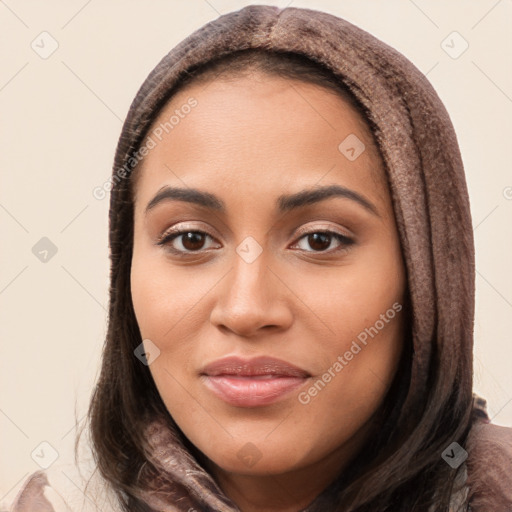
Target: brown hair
[{"x": 399, "y": 469}]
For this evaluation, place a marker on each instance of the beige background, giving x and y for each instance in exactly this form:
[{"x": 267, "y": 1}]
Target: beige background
[{"x": 60, "y": 120}]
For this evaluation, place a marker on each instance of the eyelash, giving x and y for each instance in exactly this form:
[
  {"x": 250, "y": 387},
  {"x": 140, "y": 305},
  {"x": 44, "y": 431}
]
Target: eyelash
[{"x": 168, "y": 236}]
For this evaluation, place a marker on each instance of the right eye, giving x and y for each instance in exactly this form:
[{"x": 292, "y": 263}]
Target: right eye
[{"x": 191, "y": 241}]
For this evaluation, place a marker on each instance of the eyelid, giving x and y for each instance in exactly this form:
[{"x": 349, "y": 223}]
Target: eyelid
[
  {"x": 304, "y": 230},
  {"x": 180, "y": 229},
  {"x": 312, "y": 228}
]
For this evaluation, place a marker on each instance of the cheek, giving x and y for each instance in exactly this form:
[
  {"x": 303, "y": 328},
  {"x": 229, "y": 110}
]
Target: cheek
[
  {"x": 361, "y": 323},
  {"x": 164, "y": 302},
  {"x": 153, "y": 306},
  {"x": 351, "y": 298},
  {"x": 163, "y": 299},
  {"x": 359, "y": 356},
  {"x": 169, "y": 305}
]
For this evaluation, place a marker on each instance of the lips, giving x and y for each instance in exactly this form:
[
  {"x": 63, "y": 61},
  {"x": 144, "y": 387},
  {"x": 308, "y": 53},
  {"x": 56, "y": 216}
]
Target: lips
[{"x": 252, "y": 383}]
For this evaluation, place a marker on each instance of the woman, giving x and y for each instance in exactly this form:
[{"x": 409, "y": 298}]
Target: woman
[{"x": 292, "y": 285}]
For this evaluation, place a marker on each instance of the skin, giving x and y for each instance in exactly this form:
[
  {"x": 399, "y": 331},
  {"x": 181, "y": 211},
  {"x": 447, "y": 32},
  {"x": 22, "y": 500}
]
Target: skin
[{"x": 248, "y": 141}]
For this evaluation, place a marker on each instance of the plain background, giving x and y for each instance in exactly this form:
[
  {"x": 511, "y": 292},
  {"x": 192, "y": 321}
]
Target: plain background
[{"x": 60, "y": 120}]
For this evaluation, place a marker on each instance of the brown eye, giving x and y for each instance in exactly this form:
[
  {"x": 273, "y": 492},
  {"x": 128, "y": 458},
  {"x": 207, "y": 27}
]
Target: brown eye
[
  {"x": 192, "y": 240},
  {"x": 185, "y": 241},
  {"x": 320, "y": 241}
]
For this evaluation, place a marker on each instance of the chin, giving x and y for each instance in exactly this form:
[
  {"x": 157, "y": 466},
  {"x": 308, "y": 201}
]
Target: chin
[
  {"x": 264, "y": 466},
  {"x": 249, "y": 457}
]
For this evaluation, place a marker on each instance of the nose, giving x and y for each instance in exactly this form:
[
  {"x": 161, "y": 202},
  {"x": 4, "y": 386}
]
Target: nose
[{"x": 252, "y": 298}]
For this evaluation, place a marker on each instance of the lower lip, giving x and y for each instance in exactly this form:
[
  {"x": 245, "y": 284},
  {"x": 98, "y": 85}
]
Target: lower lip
[{"x": 251, "y": 391}]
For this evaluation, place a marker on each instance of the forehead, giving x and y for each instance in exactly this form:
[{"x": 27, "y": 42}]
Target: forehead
[{"x": 259, "y": 130}]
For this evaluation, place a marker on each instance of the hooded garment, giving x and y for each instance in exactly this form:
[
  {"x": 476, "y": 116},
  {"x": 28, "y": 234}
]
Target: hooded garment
[{"x": 430, "y": 200}]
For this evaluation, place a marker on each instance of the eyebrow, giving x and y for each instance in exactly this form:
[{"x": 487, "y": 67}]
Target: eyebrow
[{"x": 285, "y": 202}]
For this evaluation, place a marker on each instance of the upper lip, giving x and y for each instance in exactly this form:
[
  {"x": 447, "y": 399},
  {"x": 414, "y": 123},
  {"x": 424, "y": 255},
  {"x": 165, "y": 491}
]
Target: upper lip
[{"x": 262, "y": 365}]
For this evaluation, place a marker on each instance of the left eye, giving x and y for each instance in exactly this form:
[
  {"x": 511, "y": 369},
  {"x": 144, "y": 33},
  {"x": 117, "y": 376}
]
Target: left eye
[
  {"x": 193, "y": 241},
  {"x": 321, "y": 240}
]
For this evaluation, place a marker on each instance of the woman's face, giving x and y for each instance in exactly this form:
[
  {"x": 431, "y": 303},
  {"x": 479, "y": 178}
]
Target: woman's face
[{"x": 289, "y": 252}]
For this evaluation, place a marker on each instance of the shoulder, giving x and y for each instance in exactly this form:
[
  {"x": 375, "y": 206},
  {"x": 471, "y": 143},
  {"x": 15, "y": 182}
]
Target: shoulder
[
  {"x": 62, "y": 488},
  {"x": 489, "y": 466}
]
